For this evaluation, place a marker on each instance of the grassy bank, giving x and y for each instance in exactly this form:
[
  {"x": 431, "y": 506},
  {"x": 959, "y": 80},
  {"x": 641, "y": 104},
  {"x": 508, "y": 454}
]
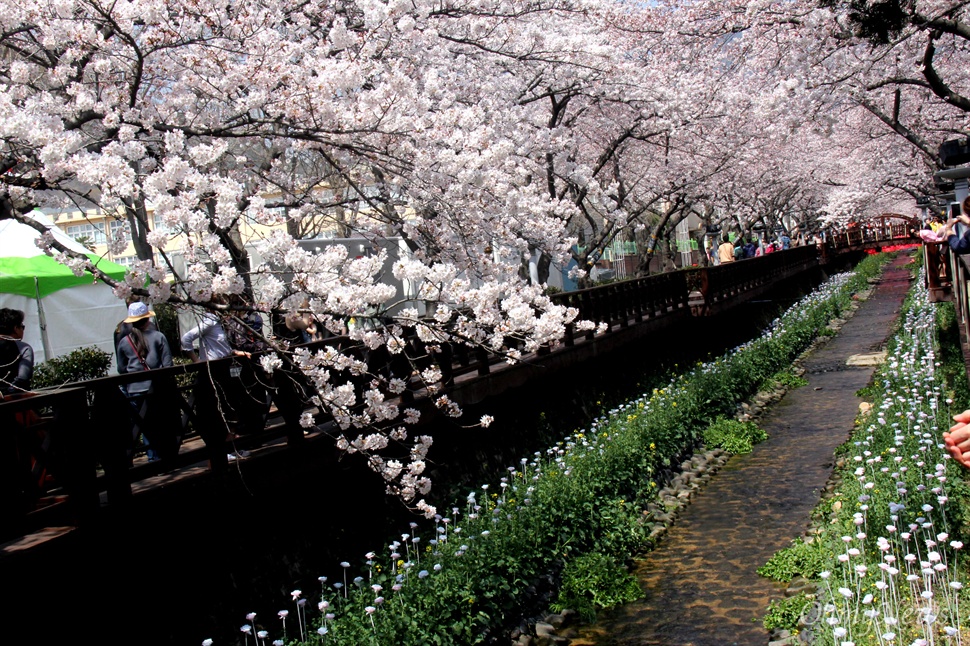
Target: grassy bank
[
  {"x": 574, "y": 509},
  {"x": 885, "y": 554}
]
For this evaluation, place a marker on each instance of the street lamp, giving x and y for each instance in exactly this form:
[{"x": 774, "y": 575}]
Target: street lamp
[
  {"x": 953, "y": 153},
  {"x": 712, "y": 231},
  {"x": 759, "y": 228},
  {"x": 923, "y": 203},
  {"x": 959, "y": 177}
]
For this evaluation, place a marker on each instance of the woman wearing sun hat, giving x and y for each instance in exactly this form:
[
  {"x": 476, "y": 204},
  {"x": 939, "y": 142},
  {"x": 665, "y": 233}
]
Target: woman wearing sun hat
[
  {"x": 141, "y": 350},
  {"x": 144, "y": 348}
]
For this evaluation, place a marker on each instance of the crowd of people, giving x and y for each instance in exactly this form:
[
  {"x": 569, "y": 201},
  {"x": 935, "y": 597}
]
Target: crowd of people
[
  {"x": 747, "y": 247},
  {"x": 141, "y": 347},
  {"x": 244, "y": 398},
  {"x": 938, "y": 231}
]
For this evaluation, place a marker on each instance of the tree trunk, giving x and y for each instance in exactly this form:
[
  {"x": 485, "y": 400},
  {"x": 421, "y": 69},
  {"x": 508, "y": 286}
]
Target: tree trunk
[
  {"x": 643, "y": 263},
  {"x": 136, "y": 213}
]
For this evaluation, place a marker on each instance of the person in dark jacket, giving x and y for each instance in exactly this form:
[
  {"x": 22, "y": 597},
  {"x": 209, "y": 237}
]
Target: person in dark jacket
[
  {"x": 143, "y": 349},
  {"x": 18, "y": 488},
  {"x": 16, "y": 357},
  {"x": 750, "y": 248}
]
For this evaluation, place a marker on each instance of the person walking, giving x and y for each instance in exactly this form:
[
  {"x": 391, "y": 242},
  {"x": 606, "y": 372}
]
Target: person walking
[
  {"x": 144, "y": 348},
  {"x": 218, "y": 392},
  {"x": 750, "y": 249}
]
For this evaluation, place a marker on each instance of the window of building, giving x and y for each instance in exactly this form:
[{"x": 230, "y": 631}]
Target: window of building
[
  {"x": 158, "y": 224},
  {"x": 89, "y": 232}
]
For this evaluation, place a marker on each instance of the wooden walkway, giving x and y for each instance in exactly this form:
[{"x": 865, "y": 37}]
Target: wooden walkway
[{"x": 76, "y": 442}]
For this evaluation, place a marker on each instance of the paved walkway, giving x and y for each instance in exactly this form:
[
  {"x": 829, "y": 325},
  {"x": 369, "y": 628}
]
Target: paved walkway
[{"x": 700, "y": 585}]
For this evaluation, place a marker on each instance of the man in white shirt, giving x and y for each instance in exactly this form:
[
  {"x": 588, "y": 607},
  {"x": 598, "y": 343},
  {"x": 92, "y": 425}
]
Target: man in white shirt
[{"x": 212, "y": 339}]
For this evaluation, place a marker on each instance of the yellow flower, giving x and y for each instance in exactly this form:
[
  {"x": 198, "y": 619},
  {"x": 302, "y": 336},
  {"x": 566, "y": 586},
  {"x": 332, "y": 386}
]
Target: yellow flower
[
  {"x": 653, "y": 447},
  {"x": 653, "y": 484}
]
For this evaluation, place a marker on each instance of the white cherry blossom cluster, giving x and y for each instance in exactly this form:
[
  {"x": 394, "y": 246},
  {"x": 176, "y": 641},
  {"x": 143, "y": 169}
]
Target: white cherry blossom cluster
[{"x": 493, "y": 142}]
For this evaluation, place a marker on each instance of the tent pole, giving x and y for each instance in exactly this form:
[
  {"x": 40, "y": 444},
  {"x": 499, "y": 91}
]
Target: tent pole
[{"x": 43, "y": 321}]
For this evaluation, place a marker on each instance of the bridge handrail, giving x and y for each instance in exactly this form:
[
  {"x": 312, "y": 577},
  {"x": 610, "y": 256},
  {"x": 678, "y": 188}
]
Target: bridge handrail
[
  {"x": 86, "y": 427},
  {"x": 959, "y": 265}
]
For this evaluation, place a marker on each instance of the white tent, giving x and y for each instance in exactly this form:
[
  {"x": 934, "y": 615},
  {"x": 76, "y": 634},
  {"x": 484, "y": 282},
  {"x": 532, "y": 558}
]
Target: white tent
[{"x": 63, "y": 311}]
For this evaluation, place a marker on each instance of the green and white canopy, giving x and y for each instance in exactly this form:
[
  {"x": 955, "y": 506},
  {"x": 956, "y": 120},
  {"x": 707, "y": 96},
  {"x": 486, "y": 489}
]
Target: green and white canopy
[
  {"x": 26, "y": 270},
  {"x": 64, "y": 311}
]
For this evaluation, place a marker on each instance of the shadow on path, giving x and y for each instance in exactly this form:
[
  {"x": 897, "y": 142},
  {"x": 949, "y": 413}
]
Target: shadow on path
[{"x": 700, "y": 584}]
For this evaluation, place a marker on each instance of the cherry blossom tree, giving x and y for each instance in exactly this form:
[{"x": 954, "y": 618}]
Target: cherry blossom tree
[
  {"x": 202, "y": 113},
  {"x": 493, "y": 137}
]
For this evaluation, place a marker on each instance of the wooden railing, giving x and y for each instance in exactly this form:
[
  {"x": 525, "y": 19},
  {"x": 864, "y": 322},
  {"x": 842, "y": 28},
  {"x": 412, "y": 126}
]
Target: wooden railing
[
  {"x": 889, "y": 232},
  {"x": 730, "y": 280},
  {"x": 77, "y": 448},
  {"x": 948, "y": 278},
  {"x": 68, "y": 452},
  {"x": 629, "y": 301}
]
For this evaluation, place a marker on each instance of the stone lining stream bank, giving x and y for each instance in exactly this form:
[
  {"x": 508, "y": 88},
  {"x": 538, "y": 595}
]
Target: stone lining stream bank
[{"x": 700, "y": 583}]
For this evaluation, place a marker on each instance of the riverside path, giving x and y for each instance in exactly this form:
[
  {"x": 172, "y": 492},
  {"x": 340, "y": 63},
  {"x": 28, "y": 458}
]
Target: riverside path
[{"x": 701, "y": 586}]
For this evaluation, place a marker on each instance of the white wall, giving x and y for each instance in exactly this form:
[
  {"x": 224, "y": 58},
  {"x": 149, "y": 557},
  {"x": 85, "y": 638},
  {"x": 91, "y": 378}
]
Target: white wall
[{"x": 76, "y": 317}]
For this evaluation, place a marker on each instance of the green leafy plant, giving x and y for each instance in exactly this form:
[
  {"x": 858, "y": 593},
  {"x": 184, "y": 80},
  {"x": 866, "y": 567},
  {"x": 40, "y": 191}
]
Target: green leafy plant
[
  {"x": 893, "y": 476},
  {"x": 952, "y": 367},
  {"x": 166, "y": 318},
  {"x": 577, "y": 503},
  {"x": 785, "y": 613},
  {"x": 79, "y": 365},
  {"x": 594, "y": 582},
  {"x": 789, "y": 380},
  {"x": 733, "y": 436},
  {"x": 801, "y": 559}
]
